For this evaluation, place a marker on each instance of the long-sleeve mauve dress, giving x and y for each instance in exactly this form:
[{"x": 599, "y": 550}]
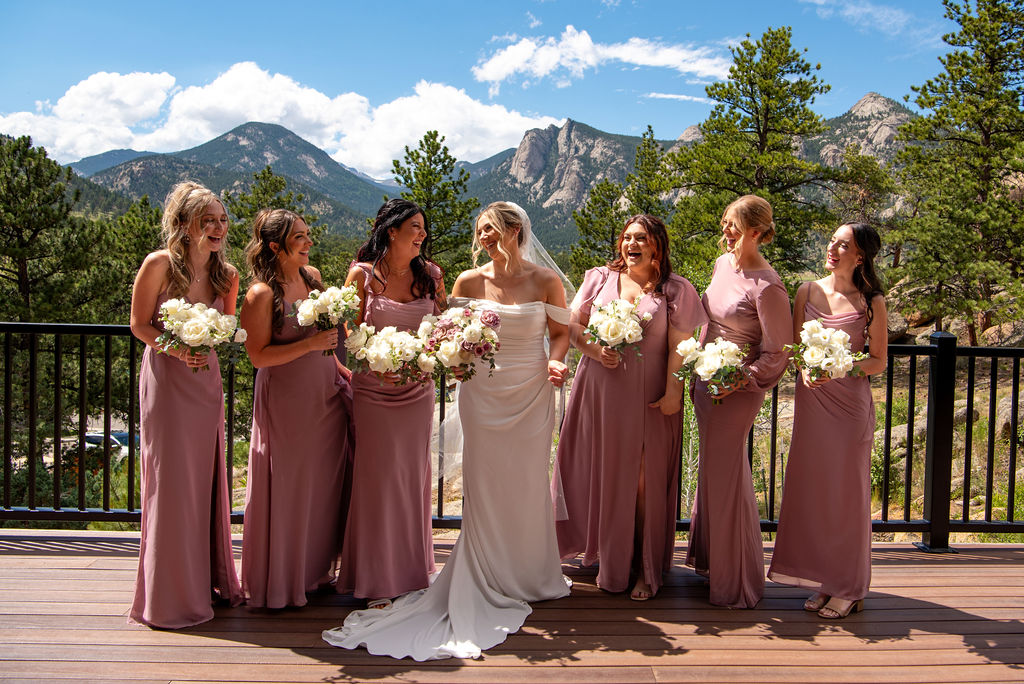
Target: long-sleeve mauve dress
[
  {"x": 297, "y": 459},
  {"x": 824, "y": 537},
  {"x": 609, "y": 428},
  {"x": 748, "y": 308},
  {"x": 388, "y": 548},
  {"x": 185, "y": 549}
]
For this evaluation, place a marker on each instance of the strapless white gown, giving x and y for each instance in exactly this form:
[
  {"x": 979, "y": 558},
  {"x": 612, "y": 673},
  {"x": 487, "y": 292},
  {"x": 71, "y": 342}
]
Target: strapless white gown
[{"x": 506, "y": 555}]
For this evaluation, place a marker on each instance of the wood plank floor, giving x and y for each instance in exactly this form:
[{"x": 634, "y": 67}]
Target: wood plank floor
[{"x": 929, "y": 618}]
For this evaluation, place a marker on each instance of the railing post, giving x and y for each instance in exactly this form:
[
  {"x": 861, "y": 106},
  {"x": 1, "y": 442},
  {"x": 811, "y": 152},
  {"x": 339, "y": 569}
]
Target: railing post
[{"x": 938, "y": 460}]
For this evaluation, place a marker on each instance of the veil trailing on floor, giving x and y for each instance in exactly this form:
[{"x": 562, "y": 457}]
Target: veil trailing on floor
[{"x": 446, "y": 444}]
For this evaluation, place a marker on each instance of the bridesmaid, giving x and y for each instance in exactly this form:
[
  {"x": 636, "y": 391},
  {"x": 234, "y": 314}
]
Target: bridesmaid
[
  {"x": 185, "y": 549},
  {"x": 824, "y": 538},
  {"x": 747, "y": 304},
  {"x": 388, "y": 548},
  {"x": 301, "y": 407},
  {"x": 618, "y": 455}
]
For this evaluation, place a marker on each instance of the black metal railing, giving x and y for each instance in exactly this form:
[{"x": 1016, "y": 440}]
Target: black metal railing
[{"x": 61, "y": 378}]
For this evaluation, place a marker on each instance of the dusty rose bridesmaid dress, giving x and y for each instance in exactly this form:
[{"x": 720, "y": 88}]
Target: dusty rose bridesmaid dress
[
  {"x": 824, "y": 537},
  {"x": 609, "y": 428},
  {"x": 185, "y": 550},
  {"x": 388, "y": 548},
  {"x": 297, "y": 460},
  {"x": 748, "y": 308}
]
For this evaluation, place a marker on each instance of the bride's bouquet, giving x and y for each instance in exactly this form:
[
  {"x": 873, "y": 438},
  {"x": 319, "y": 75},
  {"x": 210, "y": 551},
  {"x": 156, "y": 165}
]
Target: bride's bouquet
[
  {"x": 718, "y": 363},
  {"x": 461, "y": 336},
  {"x": 198, "y": 328},
  {"x": 327, "y": 309},
  {"x": 390, "y": 350},
  {"x": 823, "y": 351},
  {"x": 617, "y": 324}
]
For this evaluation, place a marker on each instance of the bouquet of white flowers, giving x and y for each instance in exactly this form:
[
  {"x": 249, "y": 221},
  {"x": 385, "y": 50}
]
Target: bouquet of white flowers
[
  {"x": 462, "y": 335},
  {"x": 823, "y": 351},
  {"x": 197, "y": 327},
  {"x": 327, "y": 309},
  {"x": 617, "y": 324},
  {"x": 717, "y": 363},
  {"x": 390, "y": 350}
]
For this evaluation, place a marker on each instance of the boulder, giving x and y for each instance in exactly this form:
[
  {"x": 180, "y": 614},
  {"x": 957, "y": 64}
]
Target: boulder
[
  {"x": 897, "y": 325},
  {"x": 1010, "y": 334},
  {"x": 1004, "y": 414}
]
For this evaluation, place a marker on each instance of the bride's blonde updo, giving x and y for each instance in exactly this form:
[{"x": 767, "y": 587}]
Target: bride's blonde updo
[{"x": 504, "y": 217}]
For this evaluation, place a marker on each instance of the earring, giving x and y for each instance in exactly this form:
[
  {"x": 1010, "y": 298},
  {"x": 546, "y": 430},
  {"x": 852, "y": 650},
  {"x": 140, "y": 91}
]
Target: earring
[{"x": 186, "y": 239}]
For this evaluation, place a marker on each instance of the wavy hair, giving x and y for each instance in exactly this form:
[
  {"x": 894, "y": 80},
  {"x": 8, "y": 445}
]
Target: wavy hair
[
  {"x": 865, "y": 278},
  {"x": 658, "y": 236},
  {"x": 753, "y": 212},
  {"x": 504, "y": 218},
  {"x": 274, "y": 225},
  {"x": 183, "y": 209},
  {"x": 393, "y": 214}
]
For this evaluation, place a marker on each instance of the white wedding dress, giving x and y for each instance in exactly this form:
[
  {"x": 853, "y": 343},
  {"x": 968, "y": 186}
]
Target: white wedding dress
[{"x": 506, "y": 555}]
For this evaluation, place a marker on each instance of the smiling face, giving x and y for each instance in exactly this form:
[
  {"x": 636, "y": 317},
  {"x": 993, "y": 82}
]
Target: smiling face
[
  {"x": 297, "y": 244},
  {"x": 842, "y": 255},
  {"x": 209, "y": 230},
  {"x": 407, "y": 239},
  {"x": 490, "y": 236},
  {"x": 636, "y": 248},
  {"x": 732, "y": 230}
]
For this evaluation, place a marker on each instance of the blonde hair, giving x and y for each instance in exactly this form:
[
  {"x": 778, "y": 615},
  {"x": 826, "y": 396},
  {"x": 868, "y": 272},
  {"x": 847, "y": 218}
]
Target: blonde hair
[
  {"x": 503, "y": 217},
  {"x": 183, "y": 208},
  {"x": 752, "y": 213}
]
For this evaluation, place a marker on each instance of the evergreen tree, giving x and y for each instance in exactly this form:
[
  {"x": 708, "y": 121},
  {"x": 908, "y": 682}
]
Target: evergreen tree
[
  {"x": 428, "y": 173},
  {"x": 963, "y": 245},
  {"x": 598, "y": 222},
  {"x": 52, "y": 264},
  {"x": 747, "y": 147},
  {"x": 609, "y": 204}
]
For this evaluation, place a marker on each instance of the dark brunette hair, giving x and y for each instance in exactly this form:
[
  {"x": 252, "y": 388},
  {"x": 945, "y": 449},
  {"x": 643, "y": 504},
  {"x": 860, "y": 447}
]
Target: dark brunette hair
[
  {"x": 658, "y": 236},
  {"x": 274, "y": 225},
  {"x": 393, "y": 214},
  {"x": 864, "y": 276}
]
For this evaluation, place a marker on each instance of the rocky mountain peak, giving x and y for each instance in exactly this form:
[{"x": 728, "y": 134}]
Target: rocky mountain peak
[{"x": 873, "y": 105}]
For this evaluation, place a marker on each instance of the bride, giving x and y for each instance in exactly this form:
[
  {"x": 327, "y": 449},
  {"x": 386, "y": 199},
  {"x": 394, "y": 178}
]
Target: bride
[{"x": 506, "y": 555}]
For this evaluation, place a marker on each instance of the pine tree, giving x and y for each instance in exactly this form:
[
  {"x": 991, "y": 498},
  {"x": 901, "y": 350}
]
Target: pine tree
[
  {"x": 748, "y": 147},
  {"x": 963, "y": 246},
  {"x": 598, "y": 222},
  {"x": 429, "y": 176}
]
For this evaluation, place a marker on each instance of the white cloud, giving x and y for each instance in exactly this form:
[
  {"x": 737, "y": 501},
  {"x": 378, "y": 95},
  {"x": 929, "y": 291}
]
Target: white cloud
[
  {"x": 572, "y": 53},
  {"x": 146, "y": 112},
  {"x": 865, "y": 15},
  {"x": 674, "y": 96},
  {"x": 533, "y": 21}
]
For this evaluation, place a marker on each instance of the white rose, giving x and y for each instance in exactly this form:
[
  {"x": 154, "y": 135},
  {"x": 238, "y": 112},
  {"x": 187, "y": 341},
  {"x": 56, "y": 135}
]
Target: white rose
[
  {"x": 426, "y": 363},
  {"x": 195, "y": 333},
  {"x": 810, "y": 329},
  {"x": 688, "y": 349},
  {"x": 426, "y": 327},
  {"x": 226, "y": 324},
  {"x": 841, "y": 337},
  {"x": 612, "y": 332},
  {"x": 307, "y": 313},
  {"x": 707, "y": 365},
  {"x": 358, "y": 337},
  {"x": 473, "y": 332},
  {"x": 448, "y": 353},
  {"x": 813, "y": 356},
  {"x": 241, "y": 335},
  {"x": 634, "y": 333}
]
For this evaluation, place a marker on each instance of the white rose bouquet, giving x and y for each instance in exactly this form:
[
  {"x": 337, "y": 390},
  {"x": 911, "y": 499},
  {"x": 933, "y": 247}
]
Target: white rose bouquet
[
  {"x": 823, "y": 352},
  {"x": 617, "y": 324},
  {"x": 390, "y": 350},
  {"x": 327, "y": 309},
  {"x": 717, "y": 363},
  {"x": 198, "y": 328},
  {"x": 461, "y": 336}
]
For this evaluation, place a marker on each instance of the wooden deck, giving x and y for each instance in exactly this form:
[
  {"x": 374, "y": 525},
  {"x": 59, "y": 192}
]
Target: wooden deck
[{"x": 929, "y": 618}]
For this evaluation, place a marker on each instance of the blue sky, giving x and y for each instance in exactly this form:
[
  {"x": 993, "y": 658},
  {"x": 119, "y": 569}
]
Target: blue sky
[{"x": 361, "y": 80}]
